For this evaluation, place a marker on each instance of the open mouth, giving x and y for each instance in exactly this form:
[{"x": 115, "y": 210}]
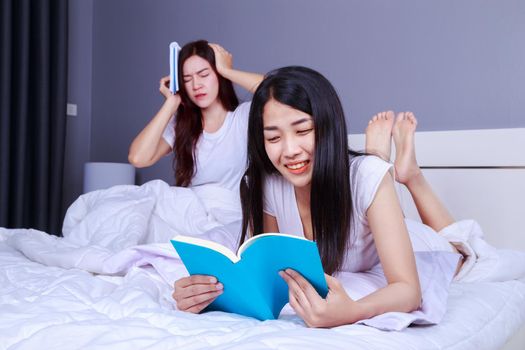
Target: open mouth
[{"x": 298, "y": 167}]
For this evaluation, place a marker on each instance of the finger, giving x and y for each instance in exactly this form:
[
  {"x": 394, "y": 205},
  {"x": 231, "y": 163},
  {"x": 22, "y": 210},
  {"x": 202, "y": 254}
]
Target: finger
[
  {"x": 195, "y": 279},
  {"x": 215, "y": 48},
  {"x": 333, "y": 283},
  {"x": 190, "y": 302},
  {"x": 199, "y": 307},
  {"x": 197, "y": 289},
  {"x": 164, "y": 90},
  {"x": 165, "y": 84},
  {"x": 305, "y": 286},
  {"x": 295, "y": 290},
  {"x": 296, "y": 305},
  {"x": 181, "y": 293}
]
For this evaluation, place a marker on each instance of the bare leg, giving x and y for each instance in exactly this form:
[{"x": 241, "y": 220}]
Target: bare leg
[
  {"x": 379, "y": 135},
  {"x": 433, "y": 213},
  {"x": 431, "y": 210}
]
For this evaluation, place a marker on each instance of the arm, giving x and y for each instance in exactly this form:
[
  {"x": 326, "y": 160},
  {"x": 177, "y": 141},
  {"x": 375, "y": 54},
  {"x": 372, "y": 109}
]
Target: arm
[
  {"x": 393, "y": 245},
  {"x": 149, "y": 146},
  {"x": 270, "y": 223},
  {"x": 392, "y": 241},
  {"x": 224, "y": 64}
]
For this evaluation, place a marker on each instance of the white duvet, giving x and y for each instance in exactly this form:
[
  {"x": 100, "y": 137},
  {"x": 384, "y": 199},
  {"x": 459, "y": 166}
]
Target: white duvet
[{"x": 108, "y": 284}]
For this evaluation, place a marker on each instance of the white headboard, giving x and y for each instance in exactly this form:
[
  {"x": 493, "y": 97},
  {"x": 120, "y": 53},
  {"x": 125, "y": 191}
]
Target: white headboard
[{"x": 478, "y": 174}]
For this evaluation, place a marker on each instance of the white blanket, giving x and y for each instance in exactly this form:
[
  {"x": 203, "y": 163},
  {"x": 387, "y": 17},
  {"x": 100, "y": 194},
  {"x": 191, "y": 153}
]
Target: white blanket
[
  {"x": 113, "y": 232},
  {"x": 101, "y": 224},
  {"x": 44, "y": 307}
]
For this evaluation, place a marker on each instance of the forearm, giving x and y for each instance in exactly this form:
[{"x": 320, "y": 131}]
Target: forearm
[
  {"x": 396, "y": 297},
  {"x": 144, "y": 147},
  {"x": 247, "y": 80}
]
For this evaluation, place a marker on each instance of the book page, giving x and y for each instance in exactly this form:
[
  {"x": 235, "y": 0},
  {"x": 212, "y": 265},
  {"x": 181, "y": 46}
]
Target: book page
[
  {"x": 208, "y": 244},
  {"x": 250, "y": 241}
]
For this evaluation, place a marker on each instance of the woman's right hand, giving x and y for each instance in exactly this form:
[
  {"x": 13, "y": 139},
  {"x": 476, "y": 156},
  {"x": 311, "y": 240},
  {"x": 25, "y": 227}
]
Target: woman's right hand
[
  {"x": 164, "y": 89},
  {"x": 194, "y": 293}
]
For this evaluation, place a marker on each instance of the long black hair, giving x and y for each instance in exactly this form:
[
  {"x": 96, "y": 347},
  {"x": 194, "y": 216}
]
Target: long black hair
[
  {"x": 188, "y": 127},
  {"x": 330, "y": 199}
]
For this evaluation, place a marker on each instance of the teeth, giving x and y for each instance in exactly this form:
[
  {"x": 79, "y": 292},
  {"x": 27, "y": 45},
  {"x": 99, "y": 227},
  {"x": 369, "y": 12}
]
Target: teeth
[{"x": 296, "y": 166}]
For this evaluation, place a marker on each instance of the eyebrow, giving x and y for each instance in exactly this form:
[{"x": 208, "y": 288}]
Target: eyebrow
[
  {"x": 189, "y": 75},
  {"x": 300, "y": 121}
]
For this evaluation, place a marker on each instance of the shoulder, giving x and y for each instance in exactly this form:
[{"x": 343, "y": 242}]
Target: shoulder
[
  {"x": 366, "y": 174},
  {"x": 276, "y": 194},
  {"x": 275, "y": 183},
  {"x": 242, "y": 109},
  {"x": 239, "y": 116},
  {"x": 363, "y": 167},
  {"x": 276, "y": 188}
]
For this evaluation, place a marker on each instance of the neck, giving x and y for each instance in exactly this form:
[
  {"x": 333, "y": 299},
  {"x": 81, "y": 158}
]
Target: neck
[
  {"x": 302, "y": 195},
  {"x": 214, "y": 113}
]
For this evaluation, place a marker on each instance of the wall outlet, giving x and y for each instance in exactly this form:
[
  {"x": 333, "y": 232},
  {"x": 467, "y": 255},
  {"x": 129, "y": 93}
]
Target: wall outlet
[{"x": 71, "y": 110}]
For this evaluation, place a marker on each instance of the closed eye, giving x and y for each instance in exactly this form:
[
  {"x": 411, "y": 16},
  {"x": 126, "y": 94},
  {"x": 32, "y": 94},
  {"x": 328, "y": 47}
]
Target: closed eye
[
  {"x": 304, "y": 131},
  {"x": 272, "y": 139}
]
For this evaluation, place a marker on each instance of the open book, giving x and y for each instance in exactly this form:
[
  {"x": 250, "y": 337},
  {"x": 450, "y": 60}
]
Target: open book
[
  {"x": 174, "y": 58},
  {"x": 252, "y": 285}
]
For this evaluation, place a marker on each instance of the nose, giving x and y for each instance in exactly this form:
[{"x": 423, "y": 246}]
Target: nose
[
  {"x": 197, "y": 84},
  {"x": 291, "y": 147}
]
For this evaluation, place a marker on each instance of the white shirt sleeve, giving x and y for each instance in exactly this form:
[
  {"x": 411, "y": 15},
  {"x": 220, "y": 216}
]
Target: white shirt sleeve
[
  {"x": 366, "y": 174},
  {"x": 169, "y": 132}
]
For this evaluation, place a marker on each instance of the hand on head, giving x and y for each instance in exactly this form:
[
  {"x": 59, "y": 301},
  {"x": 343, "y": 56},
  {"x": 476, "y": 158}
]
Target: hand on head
[{"x": 223, "y": 59}]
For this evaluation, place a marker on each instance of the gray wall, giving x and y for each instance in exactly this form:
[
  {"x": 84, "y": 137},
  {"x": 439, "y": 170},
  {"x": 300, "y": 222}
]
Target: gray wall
[
  {"x": 78, "y": 128},
  {"x": 456, "y": 64}
]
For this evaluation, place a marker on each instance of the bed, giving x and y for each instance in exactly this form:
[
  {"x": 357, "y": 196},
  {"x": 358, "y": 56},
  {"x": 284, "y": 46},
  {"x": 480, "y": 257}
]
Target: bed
[{"x": 53, "y": 294}]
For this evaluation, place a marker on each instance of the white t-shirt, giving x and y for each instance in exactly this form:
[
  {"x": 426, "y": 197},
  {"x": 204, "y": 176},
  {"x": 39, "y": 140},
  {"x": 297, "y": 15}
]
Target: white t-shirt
[
  {"x": 366, "y": 174},
  {"x": 220, "y": 156}
]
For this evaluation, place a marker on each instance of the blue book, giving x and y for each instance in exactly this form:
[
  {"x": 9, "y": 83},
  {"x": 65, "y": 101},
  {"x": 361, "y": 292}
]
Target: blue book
[
  {"x": 174, "y": 58},
  {"x": 252, "y": 285}
]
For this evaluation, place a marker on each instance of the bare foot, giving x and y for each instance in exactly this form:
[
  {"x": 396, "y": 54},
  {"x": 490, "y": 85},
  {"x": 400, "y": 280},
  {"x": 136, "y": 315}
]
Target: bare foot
[
  {"x": 379, "y": 135},
  {"x": 405, "y": 165}
]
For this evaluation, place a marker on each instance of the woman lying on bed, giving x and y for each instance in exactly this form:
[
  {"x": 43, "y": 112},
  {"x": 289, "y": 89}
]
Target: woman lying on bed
[
  {"x": 302, "y": 178},
  {"x": 209, "y": 135}
]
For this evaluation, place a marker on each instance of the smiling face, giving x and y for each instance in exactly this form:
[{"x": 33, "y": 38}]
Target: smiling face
[
  {"x": 289, "y": 140},
  {"x": 200, "y": 81}
]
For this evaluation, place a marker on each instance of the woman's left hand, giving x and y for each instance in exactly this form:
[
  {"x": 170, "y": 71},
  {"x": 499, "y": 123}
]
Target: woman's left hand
[
  {"x": 223, "y": 59},
  {"x": 335, "y": 310}
]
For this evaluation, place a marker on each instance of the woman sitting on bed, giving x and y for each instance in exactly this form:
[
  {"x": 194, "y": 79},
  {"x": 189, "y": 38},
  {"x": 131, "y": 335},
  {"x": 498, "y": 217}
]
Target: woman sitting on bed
[
  {"x": 208, "y": 133},
  {"x": 302, "y": 179}
]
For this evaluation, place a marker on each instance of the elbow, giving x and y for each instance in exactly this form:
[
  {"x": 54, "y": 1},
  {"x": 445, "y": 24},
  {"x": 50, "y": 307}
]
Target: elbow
[
  {"x": 136, "y": 161},
  {"x": 414, "y": 298}
]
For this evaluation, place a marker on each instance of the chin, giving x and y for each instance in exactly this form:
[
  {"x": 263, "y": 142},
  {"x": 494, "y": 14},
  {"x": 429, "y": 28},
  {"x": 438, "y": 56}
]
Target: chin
[
  {"x": 299, "y": 181},
  {"x": 203, "y": 105}
]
